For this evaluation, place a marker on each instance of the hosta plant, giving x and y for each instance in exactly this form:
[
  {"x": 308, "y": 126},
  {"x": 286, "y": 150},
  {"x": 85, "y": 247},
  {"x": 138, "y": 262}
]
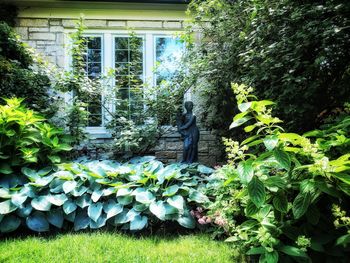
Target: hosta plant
[
  {"x": 82, "y": 195},
  {"x": 285, "y": 194},
  {"x": 26, "y": 139}
]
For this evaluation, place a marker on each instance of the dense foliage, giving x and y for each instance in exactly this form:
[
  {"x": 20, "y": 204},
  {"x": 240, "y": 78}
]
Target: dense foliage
[
  {"x": 286, "y": 195},
  {"x": 132, "y": 196},
  {"x": 26, "y": 139},
  {"x": 19, "y": 78},
  {"x": 294, "y": 52}
]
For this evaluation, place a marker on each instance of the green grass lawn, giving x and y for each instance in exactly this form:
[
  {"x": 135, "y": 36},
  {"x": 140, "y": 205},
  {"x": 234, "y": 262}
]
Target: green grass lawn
[{"x": 112, "y": 247}]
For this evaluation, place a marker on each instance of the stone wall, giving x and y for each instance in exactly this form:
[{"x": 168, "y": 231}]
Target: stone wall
[{"x": 47, "y": 36}]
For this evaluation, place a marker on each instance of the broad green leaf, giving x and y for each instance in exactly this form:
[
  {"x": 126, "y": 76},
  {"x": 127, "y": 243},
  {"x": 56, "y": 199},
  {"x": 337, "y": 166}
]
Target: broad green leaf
[
  {"x": 243, "y": 107},
  {"x": 280, "y": 202},
  {"x": 122, "y": 218},
  {"x": 256, "y": 251},
  {"x": 5, "y": 168},
  {"x": 282, "y": 158},
  {"x": 69, "y": 207},
  {"x": 293, "y": 251},
  {"x": 245, "y": 171},
  {"x": 343, "y": 240},
  {"x": 125, "y": 200},
  {"x": 42, "y": 181},
  {"x": 140, "y": 207},
  {"x": 37, "y": 222},
  {"x": 100, "y": 222},
  {"x": 144, "y": 197},
  {"x": 79, "y": 191},
  {"x": 96, "y": 194},
  {"x": 9, "y": 224},
  {"x": 187, "y": 221},
  {"x": 41, "y": 203},
  {"x": 204, "y": 169},
  {"x": 83, "y": 201},
  {"x": 239, "y": 122},
  {"x": 198, "y": 197},
  {"x": 176, "y": 201},
  {"x": 111, "y": 208},
  {"x": 301, "y": 204},
  {"x": 269, "y": 257},
  {"x": 5, "y": 193},
  {"x": 171, "y": 190},
  {"x": 256, "y": 191},
  {"x": 69, "y": 186},
  {"x": 55, "y": 218},
  {"x": 158, "y": 209},
  {"x": 124, "y": 192},
  {"x": 18, "y": 199},
  {"x": 95, "y": 211},
  {"x": 275, "y": 181},
  {"x": 270, "y": 142},
  {"x": 58, "y": 199},
  {"x": 81, "y": 221},
  {"x": 24, "y": 210},
  {"x": 138, "y": 223},
  {"x": 251, "y": 208},
  {"x": 70, "y": 217}
]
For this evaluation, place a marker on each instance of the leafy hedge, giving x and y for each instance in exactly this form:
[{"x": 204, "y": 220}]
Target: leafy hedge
[{"x": 93, "y": 194}]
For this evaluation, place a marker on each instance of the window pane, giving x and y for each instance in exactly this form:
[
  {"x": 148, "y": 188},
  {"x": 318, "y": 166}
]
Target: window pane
[
  {"x": 93, "y": 67},
  {"x": 129, "y": 74},
  {"x": 168, "y": 54}
]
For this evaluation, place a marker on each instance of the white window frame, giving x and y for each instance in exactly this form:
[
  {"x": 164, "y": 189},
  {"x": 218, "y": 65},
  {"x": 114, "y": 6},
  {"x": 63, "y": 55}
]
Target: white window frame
[{"x": 108, "y": 62}]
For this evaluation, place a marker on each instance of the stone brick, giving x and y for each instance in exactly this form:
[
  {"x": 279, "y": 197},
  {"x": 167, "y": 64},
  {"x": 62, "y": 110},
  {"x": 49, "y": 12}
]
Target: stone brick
[
  {"x": 60, "y": 38},
  {"x": 95, "y": 23},
  {"x": 38, "y": 29},
  {"x": 160, "y": 145},
  {"x": 35, "y": 22},
  {"x": 144, "y": 24},
  {"x": 22, "y": 32},
  {"x": 203, "y": 147},
  {"x": 55, "y": 22},
  {"x": 166, "y": 155},
  {"x": 173, "y": 146},
  {"x": 60, "y": 61},
  {"x": 172, "y": 24},
  {"x": 56, "y": 29},
  {"x": 42, "y": 36},
  {"x": 116, "y": 23},
  {"x": 210, "y": 137},
  {"x": 69, "y": 22}
]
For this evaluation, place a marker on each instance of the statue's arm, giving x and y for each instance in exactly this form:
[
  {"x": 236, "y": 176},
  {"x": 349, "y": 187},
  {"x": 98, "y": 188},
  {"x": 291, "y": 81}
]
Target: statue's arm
[{"x": 189, "y": 123}]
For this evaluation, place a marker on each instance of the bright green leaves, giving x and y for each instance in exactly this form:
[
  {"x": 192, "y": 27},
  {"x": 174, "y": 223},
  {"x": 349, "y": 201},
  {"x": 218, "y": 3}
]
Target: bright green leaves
[
  {"x": 245, "y": 171},
  {"x": 270, "y": 142},
  {"x": 301, "y": 204},
  {"x": 256, "y": 191},
  {"x": 282, "y": 158},
  {"x": 280, "y": 202}
]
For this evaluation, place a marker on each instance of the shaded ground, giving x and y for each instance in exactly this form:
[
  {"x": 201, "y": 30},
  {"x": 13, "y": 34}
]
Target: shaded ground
[{"x": 113, "y": 247}]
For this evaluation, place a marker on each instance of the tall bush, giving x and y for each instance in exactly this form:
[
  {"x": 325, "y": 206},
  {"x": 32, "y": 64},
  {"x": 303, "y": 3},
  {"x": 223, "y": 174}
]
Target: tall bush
[{"x": 293, "y": 52}]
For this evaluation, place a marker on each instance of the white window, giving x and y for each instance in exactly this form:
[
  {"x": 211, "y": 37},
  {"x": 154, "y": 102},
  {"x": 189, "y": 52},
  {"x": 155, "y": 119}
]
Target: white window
[{"x": 145, "y": 58}]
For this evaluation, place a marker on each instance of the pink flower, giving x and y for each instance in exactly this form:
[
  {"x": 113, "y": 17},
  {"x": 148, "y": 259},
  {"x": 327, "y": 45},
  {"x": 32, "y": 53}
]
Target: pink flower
[{"x": 201, "y": 221}]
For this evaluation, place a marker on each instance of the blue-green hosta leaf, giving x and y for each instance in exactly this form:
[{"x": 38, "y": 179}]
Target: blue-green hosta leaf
[
  {"x": 140, "y": 207},
  {"x": 45, "y": 171},
  {"x": 18, "y": 199},
  {"x": 205, "y": 169},
  {"x": 187, "y": 221},
  {"x": 69, "y": 186},
  {"x": 37, "y": 222},
  {"x": 69, "y": 206},
  {"x": 58, "y": 199},
  {"x": 145, "y": 197},
  {"x": 95, "y": 210},
  {"x": 55, "y": 218},
  {"x": 256, "y": 191},
  {"x": 154, "y": 166},
  {"x": 158, "y": 209},
  {"x": 28, "y": 190},
  {"x": 124, "y": 192},
  {"x": 125, "y": 200},
  {"x": 101, "y": 221},
  {"x": 138, "y": 223},
  {"x": 56, "y": 186},
  {"x": 111, "y": 208},
  {"x": 171, "y": 190},
  {"x": 5, "y": 193},
  {"x": 9, "y": 224},
  {"x": 177, "y": 201},
  {"x": 109, "y": 191},
  {"x": 83, "y": 201},
  {"x": 132, "y": 214},
  {"x": 41, "y": 203},
  {"x": 24, "y": 210},
  {"x": 79, "y": 191},
  {"x": 64, "y": 175},
  {"x": 70, "y": 217},
  {"x": 42, "y": 181},
  {"x": 96, "y": 194},
  {"x": 171, "y": 213},
  {"x": 30, "y": 173},
  {"x": 270, "y": 142},
  {"x": 81, "y": 221},
  {"x": 198, "y": 197},
  {"x": 245, "y": 171},
  {"x": 122, "y": 217}
]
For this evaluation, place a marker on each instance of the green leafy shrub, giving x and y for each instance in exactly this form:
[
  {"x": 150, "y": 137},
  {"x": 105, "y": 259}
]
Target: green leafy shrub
[
  {"x": 294, "y": 52},
  {"x": 284, "y": 194},
  {"x": 19, "y": 77},
  {"x": 26, "y": 139},
  {"x": 132, "y": 196}
]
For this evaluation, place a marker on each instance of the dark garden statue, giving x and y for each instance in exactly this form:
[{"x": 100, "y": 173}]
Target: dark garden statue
[{"x": 187, "y": 127}]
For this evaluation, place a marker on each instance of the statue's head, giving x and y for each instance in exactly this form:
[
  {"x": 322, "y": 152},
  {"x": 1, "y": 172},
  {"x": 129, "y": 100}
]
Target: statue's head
[{"x": 189, "y": 105}]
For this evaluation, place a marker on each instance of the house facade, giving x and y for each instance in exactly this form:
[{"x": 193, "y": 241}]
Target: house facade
[{"x": 45, "y": 25}]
